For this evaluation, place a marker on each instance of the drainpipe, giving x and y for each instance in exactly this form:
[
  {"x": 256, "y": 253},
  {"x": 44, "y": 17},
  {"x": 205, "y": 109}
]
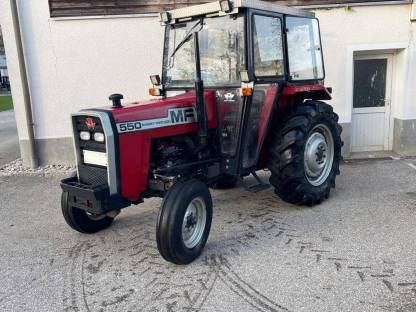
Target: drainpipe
[{"x": 25, "y": 86}]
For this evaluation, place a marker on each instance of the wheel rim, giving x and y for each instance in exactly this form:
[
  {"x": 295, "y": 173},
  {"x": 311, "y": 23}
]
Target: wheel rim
[
  {"x": 319, "y": 155},
  {"x": 194, "y": 221},
  {"x": 95, "y": 217}
]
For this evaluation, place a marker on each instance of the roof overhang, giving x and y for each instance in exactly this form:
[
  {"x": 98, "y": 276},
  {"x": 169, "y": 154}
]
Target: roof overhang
[
  {"x": 268, "y": 6},
  {"x": 225, "y": 7}
]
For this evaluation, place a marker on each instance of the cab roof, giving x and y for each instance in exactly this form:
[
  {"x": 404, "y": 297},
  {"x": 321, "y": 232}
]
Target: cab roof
[{"x": 226, "y": 7}]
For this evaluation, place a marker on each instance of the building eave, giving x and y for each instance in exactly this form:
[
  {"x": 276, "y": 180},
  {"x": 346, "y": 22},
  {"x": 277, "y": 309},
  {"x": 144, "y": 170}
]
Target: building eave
[{"x": 353, "y": 4}]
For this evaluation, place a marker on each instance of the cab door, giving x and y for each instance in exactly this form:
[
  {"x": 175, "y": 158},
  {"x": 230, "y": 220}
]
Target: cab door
[{"x": 267, "y": 68}]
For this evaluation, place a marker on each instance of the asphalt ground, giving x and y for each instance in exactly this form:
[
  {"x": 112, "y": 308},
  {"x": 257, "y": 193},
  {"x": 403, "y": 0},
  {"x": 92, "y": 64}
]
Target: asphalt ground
[
  {"x": 9, "y": 141},
  {"x": 354, "y": 252}
]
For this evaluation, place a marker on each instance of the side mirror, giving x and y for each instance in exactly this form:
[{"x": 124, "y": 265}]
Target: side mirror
[
  {"x": 225, "y": 6},
  {"x": 244, "y": 76},
  {"x": 155, "y": 79}
]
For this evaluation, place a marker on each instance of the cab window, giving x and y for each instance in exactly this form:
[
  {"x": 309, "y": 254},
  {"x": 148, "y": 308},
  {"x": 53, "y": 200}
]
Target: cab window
[
  {"x": 267, "y": 46},
  {"x": 304, "y": 49}
]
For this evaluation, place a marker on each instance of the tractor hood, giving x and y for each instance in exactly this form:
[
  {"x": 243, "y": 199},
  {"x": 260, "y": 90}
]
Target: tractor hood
[{"x": 162, "y": 113}]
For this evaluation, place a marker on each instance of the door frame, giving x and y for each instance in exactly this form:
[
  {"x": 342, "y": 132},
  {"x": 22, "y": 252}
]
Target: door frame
[
  {"x": 277, "y": 81},
  {"x": 388, "y": 118},
  {"x": 357, "y": 49}
]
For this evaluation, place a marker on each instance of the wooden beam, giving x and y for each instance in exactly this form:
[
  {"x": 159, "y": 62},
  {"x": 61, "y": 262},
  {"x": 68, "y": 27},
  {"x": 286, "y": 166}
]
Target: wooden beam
[{"x": 62, "y": 8}]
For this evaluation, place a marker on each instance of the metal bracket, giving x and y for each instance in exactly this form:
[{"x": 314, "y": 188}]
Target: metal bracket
[{"x": 256, "y": 187}]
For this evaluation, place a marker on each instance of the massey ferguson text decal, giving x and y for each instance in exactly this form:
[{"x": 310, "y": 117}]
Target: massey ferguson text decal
[{"x": 176, "y": 116}]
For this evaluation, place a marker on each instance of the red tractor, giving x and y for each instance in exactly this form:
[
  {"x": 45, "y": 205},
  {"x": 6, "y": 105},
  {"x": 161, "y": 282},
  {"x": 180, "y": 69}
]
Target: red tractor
[{"x": 241, "y": 91}]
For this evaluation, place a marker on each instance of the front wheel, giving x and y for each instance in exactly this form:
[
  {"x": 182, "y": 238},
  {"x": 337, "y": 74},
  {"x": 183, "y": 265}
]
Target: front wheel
[
  {"x": 184, "y": 222},
  {"x": 305, "y": 153},
  {"x": 82, "y": 221}
]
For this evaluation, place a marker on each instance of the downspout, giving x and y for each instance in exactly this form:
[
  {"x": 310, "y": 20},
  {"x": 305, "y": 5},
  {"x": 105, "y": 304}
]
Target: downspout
[{"x": 25, "y": 86}]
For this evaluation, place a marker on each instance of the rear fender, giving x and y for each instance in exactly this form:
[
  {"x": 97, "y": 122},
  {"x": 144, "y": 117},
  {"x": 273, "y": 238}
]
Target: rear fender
[
  {"x": 290, "y": 96},
  {"x": 312, "y": 92}
]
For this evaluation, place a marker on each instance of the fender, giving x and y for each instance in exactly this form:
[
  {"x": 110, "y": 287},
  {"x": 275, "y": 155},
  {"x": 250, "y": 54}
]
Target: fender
[
  {"x": 290, "y": 95},
  {"x": 313, "y": 92}
]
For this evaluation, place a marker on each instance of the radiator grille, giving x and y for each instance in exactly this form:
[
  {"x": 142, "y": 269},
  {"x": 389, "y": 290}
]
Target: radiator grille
[
  {"x": 92, "y": 175},
  {"x": 80, "y": 125}
]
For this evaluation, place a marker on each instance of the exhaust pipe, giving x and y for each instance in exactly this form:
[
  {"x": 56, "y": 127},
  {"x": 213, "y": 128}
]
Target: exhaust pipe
[{"x": 200, "y": 102}]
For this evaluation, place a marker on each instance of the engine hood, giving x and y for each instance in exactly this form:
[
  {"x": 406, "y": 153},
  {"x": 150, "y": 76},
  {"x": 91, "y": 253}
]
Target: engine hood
[
  {"x": 162, "y": 113},
  {"x": 158, "y": 108}
]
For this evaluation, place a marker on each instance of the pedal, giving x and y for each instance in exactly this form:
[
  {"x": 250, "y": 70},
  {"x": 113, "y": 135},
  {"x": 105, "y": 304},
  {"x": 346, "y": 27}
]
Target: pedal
[{"x": 256, "y": 187}]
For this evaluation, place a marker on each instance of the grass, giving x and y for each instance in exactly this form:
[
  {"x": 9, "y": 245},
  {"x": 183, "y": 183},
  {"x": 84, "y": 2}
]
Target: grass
[{"x": 6, "y": 103}]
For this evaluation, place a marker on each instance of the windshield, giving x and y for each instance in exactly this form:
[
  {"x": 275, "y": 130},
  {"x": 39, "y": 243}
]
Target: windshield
[{"x": 221, "y": 44}]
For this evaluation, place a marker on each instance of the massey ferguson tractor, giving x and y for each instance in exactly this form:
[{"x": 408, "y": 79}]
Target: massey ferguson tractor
[{"x": 240, "y": 91}]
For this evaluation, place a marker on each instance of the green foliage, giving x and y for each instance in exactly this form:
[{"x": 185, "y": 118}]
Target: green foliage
[
  {"x": 6, "y": 103},
  {"x": 348, "y": 8}
]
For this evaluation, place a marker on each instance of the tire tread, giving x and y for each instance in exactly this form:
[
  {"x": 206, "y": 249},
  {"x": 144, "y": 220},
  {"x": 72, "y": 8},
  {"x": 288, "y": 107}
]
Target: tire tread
[{"x": 286, "y": 153}]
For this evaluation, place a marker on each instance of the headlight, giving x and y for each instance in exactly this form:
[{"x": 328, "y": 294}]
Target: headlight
[
  {"x": 99, "y": 137},
  {"x": 85, "y": 135}
]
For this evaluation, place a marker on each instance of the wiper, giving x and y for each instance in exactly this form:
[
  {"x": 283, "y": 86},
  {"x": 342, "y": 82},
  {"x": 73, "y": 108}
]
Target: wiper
[{"x": 187, "y": 37}]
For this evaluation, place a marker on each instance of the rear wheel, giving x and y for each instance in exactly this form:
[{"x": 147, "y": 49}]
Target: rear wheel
[
  {"x": 305, "y": 153},
  {"x": 82, "y": 221},
  {"x": 184, "y": 222}
]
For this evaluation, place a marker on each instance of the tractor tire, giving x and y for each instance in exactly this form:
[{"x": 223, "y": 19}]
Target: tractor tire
[
  {"x": 225, "y": 182},
  {"x": 184, "y": 222},
  {"x": 80, "y": 220},
  {"x": 305, "y": 153}
]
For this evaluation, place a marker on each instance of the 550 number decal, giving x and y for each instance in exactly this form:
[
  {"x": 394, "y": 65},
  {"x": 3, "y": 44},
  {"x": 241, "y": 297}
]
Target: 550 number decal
[{"x": 129, "y": 126}]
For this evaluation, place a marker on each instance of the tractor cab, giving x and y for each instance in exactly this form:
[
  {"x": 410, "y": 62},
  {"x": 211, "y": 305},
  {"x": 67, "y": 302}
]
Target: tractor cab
[
  {"x": 240, "y": 90},
  {"x": 250, "y": 53}
]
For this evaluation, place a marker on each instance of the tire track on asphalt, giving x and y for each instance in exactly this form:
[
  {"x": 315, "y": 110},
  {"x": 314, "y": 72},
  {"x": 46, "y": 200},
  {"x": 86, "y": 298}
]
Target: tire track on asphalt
[
  {"x": 172, "y": 288},
  {"x": 199, "y": 303},
  {"x": 73, "y": 295},
  {"x": 166, "y": 293},
  {"x": 84, "y": 297},
  {"x": 69, "y": 298},
  {"x": 341, "y": 264},
  {"x": 241, "y": 288}
]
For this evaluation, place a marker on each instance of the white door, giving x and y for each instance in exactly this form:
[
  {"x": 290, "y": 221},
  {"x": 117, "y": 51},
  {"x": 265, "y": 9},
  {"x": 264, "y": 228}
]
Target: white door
[{"x": 371, "y": 103}]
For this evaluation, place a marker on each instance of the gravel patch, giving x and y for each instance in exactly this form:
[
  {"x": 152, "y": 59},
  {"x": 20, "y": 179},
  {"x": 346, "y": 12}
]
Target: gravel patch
[{"x": 16, "y": 168}]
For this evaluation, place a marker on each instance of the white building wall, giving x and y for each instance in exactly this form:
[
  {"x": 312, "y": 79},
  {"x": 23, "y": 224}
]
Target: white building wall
[
  {"x": 374, "y": 28},
  {"x": 77, "y": 63}
]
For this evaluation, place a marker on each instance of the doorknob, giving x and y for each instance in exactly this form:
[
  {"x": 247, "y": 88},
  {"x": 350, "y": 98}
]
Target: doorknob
[{"x": 387, "y": 102}]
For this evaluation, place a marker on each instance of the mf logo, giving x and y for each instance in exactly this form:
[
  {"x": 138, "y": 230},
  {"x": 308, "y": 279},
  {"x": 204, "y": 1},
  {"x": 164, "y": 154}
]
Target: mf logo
[
  {"x": 182, "y": 115},
  {"x": 229, "y": 97}
]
